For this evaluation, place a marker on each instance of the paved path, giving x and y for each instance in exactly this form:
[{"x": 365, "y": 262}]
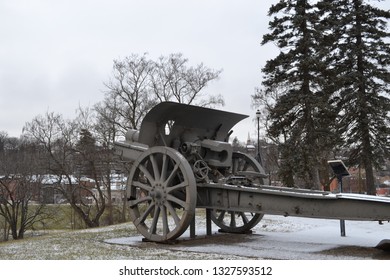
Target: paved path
[{"x": 285, "y": 238}]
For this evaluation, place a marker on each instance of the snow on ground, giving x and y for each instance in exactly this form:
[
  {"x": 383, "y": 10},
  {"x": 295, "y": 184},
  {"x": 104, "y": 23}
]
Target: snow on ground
[
  {"x": 277, "y": 237},
  {"x": 274, "y": 238}
]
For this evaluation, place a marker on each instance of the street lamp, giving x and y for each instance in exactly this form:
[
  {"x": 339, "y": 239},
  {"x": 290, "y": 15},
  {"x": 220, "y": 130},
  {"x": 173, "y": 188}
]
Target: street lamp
[{"x": 258, "y": 114}]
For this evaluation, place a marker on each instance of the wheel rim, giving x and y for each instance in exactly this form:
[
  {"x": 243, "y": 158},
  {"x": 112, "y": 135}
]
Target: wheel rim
[
  {"x": 244, "y": 162},
  {"x": 162, "y": 194},
  {"x": 235, "y": 222},
  {"x": 239, "y": 222}
]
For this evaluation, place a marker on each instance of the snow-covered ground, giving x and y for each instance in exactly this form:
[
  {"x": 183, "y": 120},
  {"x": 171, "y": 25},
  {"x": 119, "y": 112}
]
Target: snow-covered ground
[
  {"x": 277, "y": 237},
  {"x": 286, "y": 244},
  {"x": 274, "y": 238}
]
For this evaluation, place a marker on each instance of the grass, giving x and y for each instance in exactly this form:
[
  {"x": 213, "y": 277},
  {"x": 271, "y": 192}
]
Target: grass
[
  {"x": 88, "y": 244},
  {"x": 64, "y": 217}
]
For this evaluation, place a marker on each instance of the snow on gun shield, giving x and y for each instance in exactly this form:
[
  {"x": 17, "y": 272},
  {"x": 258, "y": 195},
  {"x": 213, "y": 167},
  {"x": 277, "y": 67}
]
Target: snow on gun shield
[{"x": 181, "y": 160}]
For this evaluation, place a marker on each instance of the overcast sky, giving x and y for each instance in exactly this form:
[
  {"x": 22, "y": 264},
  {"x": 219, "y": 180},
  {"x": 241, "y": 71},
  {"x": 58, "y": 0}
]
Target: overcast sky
[{"x": 56, "y": 54}]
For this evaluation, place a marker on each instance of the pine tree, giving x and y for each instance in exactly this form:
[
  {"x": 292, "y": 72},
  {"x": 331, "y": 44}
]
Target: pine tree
[
  {"x": 359, "y": 59},
  {"x": 88, "y": 153},
  {"x": 301, "y": 113}
]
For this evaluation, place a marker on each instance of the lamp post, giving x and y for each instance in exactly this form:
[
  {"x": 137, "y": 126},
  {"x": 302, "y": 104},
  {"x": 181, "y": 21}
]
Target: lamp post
[{"x": 258, "y": 114}]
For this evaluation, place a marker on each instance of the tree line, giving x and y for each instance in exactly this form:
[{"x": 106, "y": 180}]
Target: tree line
[{"x": 327, "y": 91}]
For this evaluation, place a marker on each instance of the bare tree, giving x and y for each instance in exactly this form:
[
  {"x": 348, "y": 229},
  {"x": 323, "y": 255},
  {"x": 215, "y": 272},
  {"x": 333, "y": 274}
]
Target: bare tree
[
  {"x": 174, "y": 80},
  {"x": 59, "y": 139},
  {"x": 139, "y": 83},
  {"x": 109, "y": 123},
  {"x": 19, "y": 186},
  {"x": 129, "y": 91}
]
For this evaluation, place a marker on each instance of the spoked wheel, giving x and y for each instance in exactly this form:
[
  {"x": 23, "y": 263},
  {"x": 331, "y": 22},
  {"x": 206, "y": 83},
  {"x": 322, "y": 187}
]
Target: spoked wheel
[
  {"x": 162, "y": 194},
  {"x": 240, "y": 222}
]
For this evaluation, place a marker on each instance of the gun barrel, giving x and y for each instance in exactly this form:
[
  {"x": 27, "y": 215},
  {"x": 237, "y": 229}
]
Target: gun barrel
[{"x": 129, "y": 151}]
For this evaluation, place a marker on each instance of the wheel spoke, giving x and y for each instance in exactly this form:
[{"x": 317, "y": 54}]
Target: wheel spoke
[
  {"x": 173, "y": 213},
  {"x": 239, "y": 165},
  {"x": 172, "y": 175},
  {"x": 233, "y": 219},
  {"x": 245, "y": 167},
  {"x": 234, "y": 166},
  {"x": 244, "y": 218},
  {"x": 145, "y": 214},
  {"x": 156, "y": 170},
  {"x": 164, "y": 168},
  {"x": 164, "y": 217},
  {"x": 142, "y": 186},
  {"x": 221, "y": 216},
  {"x": 177, "y": 187},
  {"x": 146, "y": 173},
  {"x": 176, "y": 200},
  {"x": 135, "y": 202},
  {"x": 153, "y": 226}
]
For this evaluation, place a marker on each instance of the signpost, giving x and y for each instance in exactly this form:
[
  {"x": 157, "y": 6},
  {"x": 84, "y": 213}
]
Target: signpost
[{"x": 340, "y": 171}]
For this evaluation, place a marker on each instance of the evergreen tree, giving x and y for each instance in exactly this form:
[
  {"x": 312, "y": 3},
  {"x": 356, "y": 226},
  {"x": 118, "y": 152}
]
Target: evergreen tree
[
  {"x": 301, "y": 113},
  {"x": 88, "y": 153},
  {"x": 359, "y": 58}
]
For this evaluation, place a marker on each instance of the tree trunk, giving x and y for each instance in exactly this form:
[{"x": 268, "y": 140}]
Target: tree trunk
[
  {"x": 14, "y": 231},
  {"x": 124, "y": 207},
  {"x": 315, "y": 176},
  {"x": 370, "y": 181},
  {"x": 109, "y": 200},
  {"x": 6, "y": 230},
  {"x": 362, "y": 103}
]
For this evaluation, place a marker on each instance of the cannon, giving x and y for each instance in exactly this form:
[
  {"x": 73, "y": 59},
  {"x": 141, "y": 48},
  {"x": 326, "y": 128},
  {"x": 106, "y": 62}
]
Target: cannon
[{"x": 181, "y": 160}]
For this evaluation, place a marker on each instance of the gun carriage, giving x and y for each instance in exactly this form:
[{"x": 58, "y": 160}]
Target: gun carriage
[{"x": 181, "y": 160}]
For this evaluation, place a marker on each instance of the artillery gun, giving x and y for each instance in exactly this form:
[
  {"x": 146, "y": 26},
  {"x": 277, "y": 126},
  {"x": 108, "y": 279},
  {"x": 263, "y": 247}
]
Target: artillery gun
[{"x": 181, "y": 160}]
